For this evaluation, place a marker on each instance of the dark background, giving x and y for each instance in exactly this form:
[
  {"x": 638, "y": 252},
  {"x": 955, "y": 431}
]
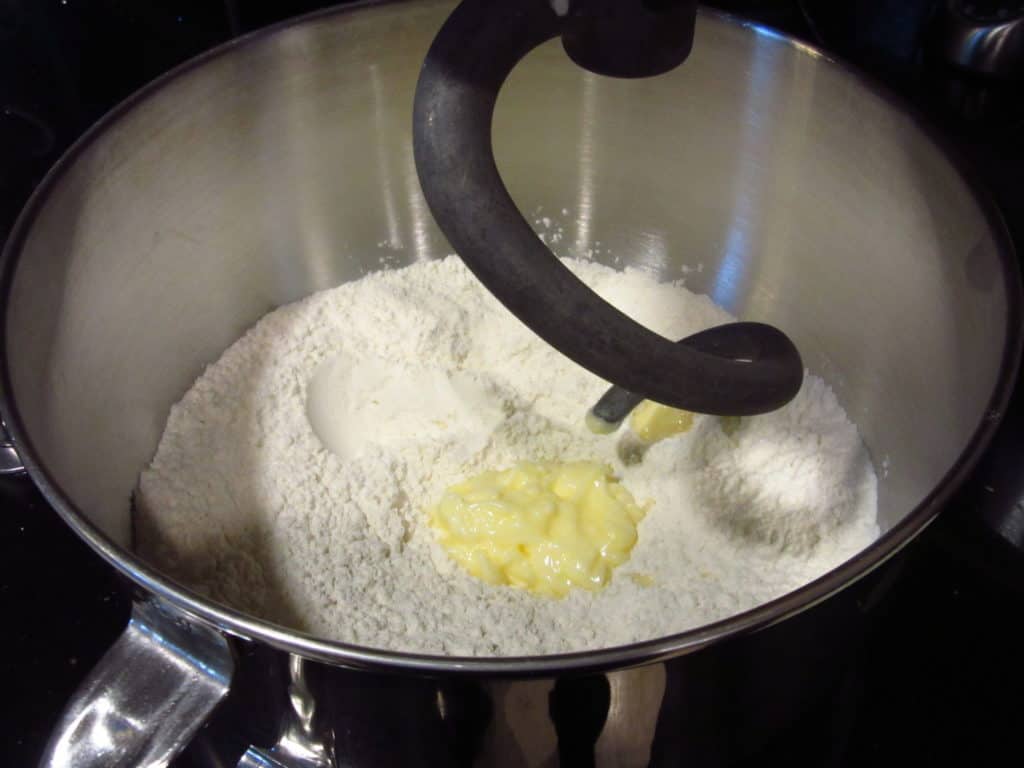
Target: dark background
[{"x": 940, "y": 677}]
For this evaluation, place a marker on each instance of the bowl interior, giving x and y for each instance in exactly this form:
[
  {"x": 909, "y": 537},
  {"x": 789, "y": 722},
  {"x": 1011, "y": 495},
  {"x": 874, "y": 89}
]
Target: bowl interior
[{"x": 760, "y": 172}]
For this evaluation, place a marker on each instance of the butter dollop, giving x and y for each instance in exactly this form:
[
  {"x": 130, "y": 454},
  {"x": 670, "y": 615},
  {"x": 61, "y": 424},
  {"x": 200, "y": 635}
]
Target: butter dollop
[
  {"x": 547, "y": 527},
  {"x": 652, "y": 421}
]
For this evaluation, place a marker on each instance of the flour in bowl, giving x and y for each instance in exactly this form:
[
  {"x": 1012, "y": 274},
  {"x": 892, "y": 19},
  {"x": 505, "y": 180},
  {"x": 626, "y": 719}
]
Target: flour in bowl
[{"x": 417, "y": 378}]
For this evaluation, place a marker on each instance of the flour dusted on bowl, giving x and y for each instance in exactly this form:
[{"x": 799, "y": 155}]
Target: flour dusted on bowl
[{"x": 244, "y": 503}]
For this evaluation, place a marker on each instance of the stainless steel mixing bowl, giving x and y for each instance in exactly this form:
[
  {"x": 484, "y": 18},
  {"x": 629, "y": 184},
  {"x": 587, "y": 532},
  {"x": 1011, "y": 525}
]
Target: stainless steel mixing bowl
[{"x": 277, "y": 165}]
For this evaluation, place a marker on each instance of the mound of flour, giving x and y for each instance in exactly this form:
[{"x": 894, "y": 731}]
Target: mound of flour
[{"x": 244, "y": 503}]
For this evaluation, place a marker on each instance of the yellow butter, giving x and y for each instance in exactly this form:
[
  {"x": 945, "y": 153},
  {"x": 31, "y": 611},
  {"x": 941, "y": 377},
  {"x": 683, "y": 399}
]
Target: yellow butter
[
  {"x": 547, "y": 527},
  {"x": 653, "y": 422},
  {"x": 599, "y": 426}
]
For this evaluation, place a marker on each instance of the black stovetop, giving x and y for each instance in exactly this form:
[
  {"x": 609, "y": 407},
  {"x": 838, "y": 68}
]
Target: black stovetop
[{"x": 938, "y": 678}]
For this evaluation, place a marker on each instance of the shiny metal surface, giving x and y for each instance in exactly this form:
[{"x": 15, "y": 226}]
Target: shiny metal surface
[
  {"x": 281, "y": 164},
  {"x": 990, "y": 42},
  {"x": 709, "y": 708},
  {"x": 147, "y": 696},
  {"x": 10, "y": 461},
  {"x": 304, "y": 742}
]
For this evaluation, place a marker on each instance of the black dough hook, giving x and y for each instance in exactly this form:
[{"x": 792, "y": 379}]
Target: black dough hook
[{"x": 736, "y": 369}]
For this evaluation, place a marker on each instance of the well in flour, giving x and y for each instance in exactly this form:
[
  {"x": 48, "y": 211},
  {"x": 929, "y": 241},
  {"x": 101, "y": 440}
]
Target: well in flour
[{"x": 245, "y": 503}]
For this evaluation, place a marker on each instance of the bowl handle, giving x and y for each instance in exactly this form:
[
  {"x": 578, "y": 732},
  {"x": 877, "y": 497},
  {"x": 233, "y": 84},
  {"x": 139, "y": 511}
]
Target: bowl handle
[{"x": 147, "y": 696}]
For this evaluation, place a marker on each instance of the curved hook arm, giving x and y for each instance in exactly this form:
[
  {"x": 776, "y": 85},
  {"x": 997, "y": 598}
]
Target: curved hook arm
[{"x": 471, "y": 57}]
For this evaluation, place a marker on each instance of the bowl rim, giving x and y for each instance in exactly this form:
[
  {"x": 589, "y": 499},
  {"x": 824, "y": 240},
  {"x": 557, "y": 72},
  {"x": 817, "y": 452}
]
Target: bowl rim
[{"x": 237, "y": 623}]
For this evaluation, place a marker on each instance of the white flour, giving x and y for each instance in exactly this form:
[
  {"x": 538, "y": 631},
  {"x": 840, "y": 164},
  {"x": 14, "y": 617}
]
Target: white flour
[{"x": 243, "y": 502}]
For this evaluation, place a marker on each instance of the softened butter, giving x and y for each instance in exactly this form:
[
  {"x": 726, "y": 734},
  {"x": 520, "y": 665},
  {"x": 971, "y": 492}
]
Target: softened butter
[
  {"x": 652, "y": 421},
  {"x": 547, "y": 527}
]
